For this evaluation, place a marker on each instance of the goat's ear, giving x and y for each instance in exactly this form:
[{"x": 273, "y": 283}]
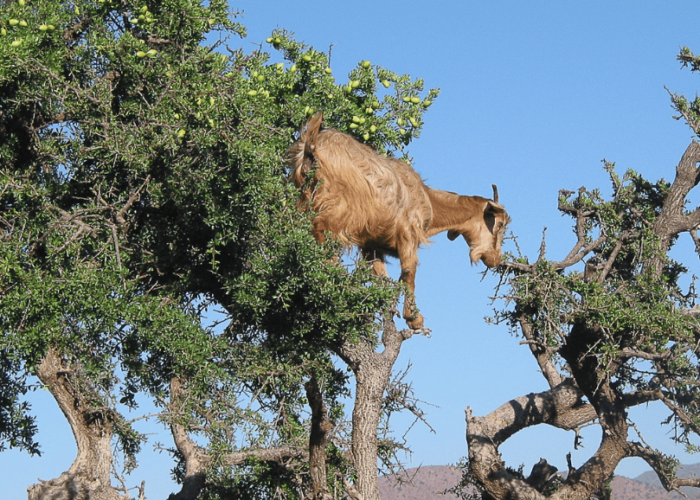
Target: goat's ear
[
  {"x": 452, "y": 234},
  {"x": 494, "y": 208}
]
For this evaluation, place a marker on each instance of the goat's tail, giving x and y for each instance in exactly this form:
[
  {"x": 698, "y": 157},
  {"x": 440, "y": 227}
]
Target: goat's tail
[
  {"x": 309, "y": 133},
  {"x": 303, "y": 151},
  {"x": 301, "y": 154}
]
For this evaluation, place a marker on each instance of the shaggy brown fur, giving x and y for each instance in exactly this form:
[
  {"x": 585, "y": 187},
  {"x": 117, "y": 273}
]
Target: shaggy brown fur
[{"x": 382, "y": 206}]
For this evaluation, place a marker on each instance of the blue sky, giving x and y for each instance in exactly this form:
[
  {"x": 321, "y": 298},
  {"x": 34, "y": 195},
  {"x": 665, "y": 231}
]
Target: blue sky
[{"x": 534, "y": 96}]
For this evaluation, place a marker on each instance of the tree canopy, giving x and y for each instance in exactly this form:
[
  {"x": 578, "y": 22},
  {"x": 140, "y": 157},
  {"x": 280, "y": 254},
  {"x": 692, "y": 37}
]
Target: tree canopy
[
  {"x": 613, "y": 325},
  {"x": 143, "y": 183}
]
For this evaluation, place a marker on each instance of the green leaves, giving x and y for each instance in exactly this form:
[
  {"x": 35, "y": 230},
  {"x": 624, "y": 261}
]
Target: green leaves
[
  {"x": 608, "y": 287},
  {"x": 142, "y": 181}
]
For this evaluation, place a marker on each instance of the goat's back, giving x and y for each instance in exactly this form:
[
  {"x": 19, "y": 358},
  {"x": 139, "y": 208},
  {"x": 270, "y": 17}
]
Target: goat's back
[{"x": 363, "y": 197}]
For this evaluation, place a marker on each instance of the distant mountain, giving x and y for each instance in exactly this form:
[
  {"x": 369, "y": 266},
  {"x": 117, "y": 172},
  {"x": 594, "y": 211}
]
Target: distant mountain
[
  {"x": 630, "y": 489},
  {"x": 428, "y": 483},
  {"x": 683, "y": 471},
  {"x": 423, "y": 483}
]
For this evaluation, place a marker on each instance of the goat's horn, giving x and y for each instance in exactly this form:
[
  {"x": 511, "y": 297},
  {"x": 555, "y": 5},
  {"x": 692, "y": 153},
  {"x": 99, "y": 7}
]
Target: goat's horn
[{"x": 495, "y": 193}]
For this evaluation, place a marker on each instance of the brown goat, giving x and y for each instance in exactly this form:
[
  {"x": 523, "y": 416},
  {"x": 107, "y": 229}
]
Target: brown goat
[{"x": 382, "y": 206}]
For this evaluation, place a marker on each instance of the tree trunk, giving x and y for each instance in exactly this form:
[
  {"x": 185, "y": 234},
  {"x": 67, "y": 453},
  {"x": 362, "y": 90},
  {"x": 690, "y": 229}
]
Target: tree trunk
[
  {"x": 89, "y": 476},
  {"x": 372, "y": 373},
  {"x": 372, "y": 379}
]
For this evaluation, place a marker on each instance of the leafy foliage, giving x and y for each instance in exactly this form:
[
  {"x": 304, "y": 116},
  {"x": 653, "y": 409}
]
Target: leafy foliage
[
  {"x": 633, "y": 312},
  {"x": 612, "y": 325},
  {"x": 142, "y": 184}
]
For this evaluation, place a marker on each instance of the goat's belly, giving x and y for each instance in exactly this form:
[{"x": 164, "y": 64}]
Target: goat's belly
[
  {"x": 380, "y": 247},
  {"x": 380, "y": 238}
]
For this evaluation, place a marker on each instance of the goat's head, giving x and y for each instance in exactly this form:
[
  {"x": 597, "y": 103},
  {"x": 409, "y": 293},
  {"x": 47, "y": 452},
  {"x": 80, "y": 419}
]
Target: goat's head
[{"x": 484, "y": 233}]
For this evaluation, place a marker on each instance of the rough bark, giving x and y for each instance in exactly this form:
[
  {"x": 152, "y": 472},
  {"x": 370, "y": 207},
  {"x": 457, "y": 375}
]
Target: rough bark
[
  {"x": 319, "y": 436},
  {"x": 89, "y": 476},
  {"x": 560, "y": 407},
  {"x": 609, "y": 407},
  {"x": 372, "y": 374}
]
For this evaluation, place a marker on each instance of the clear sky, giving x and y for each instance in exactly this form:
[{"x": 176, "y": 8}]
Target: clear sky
[{"x": 534, "y": 96}]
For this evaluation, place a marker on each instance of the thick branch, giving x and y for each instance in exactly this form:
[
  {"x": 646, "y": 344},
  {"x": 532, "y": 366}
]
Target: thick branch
[
  {"x": 197, "y": 459},
  {"x": 540, "y": 351},
  {"x": 89, "y": 475},
  {"x": 372, "y": 373},
  {"x": 663, "y": 466},
  {"x": 672, "y": 221},
  {"x": 560, "y": 407},
  {"x": 321, "y": 427}
]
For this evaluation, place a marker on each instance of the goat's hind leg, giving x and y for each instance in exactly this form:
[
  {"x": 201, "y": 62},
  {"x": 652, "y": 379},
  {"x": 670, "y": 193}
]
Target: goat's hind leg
[{"x": 376, "y": 258}]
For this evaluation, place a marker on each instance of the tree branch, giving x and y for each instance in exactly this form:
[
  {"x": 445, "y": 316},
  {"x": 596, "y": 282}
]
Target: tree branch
[
  {"x": 541, "y": 353},
  {"x": 663, "y": 466},
  {"x": 319, "y": 436},
  {"x": 197, "y": 459},
  {"x": 671, "y": 221},
  {"x": 561, "y": 407}
]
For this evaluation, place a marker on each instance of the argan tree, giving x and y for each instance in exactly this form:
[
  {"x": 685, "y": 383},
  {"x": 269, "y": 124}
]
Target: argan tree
[
  {"x": 143, "y": 185},
  {"x": 612, "y": 325}
]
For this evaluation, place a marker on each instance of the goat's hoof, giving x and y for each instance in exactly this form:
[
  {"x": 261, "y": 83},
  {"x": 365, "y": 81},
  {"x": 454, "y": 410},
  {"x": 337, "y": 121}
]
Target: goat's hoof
[{"x": 416, "y": 323}]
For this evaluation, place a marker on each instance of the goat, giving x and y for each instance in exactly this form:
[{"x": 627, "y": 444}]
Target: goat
[{"x": 382, "y": 206}]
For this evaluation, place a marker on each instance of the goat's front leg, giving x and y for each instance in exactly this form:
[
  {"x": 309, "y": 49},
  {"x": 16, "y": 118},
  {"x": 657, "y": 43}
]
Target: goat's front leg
[{"x": 413, "y": 318}]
